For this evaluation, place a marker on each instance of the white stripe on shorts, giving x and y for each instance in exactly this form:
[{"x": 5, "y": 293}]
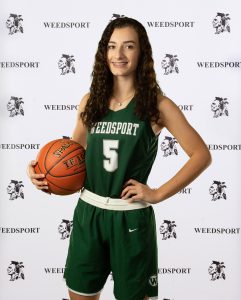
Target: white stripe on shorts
[
  {"x": 83, "y": 294},
  {"x": 111, "y": 203}
]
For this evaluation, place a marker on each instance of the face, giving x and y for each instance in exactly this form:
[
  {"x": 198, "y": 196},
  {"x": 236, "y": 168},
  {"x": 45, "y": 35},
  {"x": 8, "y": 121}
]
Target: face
[
  {"x": 9, "y": 22},
  {"x": 215, "y": 105},
  {"x": 213, "y": 189},
  {"x": 10, "y": 188},
  {"x": 212, "y": 269},
  {"x": 163, "y": 228},
  {"x": 164, "y": 145},
  {"x": 11, "y": 105},
  {"x": 123, "y": 51},
  {"x": 62, "y": 228},
  {"x": 11, "y": 269},
  {"x": 62, "y": 62},
  {"x": 217, "y": 21},
  {"x": 166, "y": 62}
]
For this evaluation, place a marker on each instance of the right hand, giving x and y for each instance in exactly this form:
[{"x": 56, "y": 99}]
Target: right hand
[{"x": 37, "y": 179}]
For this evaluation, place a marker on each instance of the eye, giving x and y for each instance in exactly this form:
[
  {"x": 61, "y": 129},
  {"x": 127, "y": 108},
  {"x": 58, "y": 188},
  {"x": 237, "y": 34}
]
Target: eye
[
  {"x": 130, "y": 46},
  {"x": 110, "y": 47}
]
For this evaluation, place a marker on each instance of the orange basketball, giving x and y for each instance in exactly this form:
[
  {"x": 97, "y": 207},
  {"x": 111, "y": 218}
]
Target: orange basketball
[{"x": 63, "y": 163}]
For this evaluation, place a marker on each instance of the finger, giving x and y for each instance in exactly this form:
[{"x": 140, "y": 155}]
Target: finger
[
  {"x": 39, "y": 183},
  {"x": 130, "y": 182},
  {"x": 33, "y": 162},
  {"x": 42, "y": 187},
  {"x": 129, "y": 194},
  {"x": 134, "y": 198},
  {"x": 37, "y": 176},
  {"x": 126, "y": 190}
]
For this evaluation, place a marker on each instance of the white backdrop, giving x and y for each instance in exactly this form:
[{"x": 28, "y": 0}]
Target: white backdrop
[{"x": 199, "y": 253}]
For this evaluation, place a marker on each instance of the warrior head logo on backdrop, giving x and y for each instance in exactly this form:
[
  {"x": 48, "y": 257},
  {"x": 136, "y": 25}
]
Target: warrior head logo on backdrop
[
  {"x": 216, "y": 270},
  {"x": 169, "y": 146},
  {"x": 15, "y": 106},
  {"x": 65, "y": 229},
  {"x": 219, "y": 107},
  {"x": 14, "y": 24},
  {"x": 15, "y": 189},
  {"x": 217, "y": 190},
  {"x": 167, "y": 229},
  {"x": 116, "y": 16},
  {"x": 221, "y": 23},
  {"x": 66, "y": 64},
  {"x": 15, "y": 270},
  {"x": 169, "y": 64}
]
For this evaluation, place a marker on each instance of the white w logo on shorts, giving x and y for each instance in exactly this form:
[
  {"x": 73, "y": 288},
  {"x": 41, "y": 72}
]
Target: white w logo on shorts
[{"x": 153, "y": 280}]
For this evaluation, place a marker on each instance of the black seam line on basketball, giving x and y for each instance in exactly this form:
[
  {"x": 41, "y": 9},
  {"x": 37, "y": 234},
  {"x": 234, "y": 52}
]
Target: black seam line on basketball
[
  {"x": 60, "y": 187},
  {"x": 47, "y": 155},
  {"x": 57, "y": 161},
  {"x": 61, "y": 160},
  {"x": 66, "y": 175}
]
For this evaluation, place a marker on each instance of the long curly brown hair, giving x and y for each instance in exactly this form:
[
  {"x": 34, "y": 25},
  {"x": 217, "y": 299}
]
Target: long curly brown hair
[{"x": 101, "y": 87}]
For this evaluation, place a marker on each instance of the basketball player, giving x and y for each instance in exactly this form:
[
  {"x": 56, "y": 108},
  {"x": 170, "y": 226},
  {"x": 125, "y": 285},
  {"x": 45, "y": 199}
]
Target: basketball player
[{"x": 118, "y": 124}]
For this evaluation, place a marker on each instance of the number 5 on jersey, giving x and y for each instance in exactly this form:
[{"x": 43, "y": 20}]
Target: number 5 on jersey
[{"x": 110, "y": 150}]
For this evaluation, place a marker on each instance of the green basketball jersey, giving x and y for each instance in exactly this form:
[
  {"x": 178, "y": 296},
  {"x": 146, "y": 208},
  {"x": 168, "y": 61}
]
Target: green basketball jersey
[{"x": 119, "y": 148}]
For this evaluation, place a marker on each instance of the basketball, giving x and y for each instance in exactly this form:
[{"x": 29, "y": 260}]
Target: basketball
[{"x": 63, "y": 163}]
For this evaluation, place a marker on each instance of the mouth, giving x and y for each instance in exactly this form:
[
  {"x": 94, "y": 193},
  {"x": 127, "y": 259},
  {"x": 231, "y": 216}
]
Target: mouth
[{"x": 119, "y": 64}]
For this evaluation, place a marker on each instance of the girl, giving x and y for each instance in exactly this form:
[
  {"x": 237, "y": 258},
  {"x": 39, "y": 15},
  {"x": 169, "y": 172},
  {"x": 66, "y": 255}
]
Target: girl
[{"x": 118, "y": 124}]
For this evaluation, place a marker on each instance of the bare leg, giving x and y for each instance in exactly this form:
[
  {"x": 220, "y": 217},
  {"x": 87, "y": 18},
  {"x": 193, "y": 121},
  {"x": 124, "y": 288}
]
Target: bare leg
[{"x": 74, "y": 296}]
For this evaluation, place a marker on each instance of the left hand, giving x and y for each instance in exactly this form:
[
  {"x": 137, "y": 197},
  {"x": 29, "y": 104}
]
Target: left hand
[{"x": 136, "y": 191}]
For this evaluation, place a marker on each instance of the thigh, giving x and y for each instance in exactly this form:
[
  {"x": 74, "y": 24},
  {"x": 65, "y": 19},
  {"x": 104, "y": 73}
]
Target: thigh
[
  {"x": 87, "y": 265},
  {"x": 133, "y": 248},
  {"x": 74, "y": 296}
]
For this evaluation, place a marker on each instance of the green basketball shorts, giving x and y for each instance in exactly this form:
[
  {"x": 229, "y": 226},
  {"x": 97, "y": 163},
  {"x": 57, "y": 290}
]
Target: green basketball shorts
[{"x": 119, "y": 241}]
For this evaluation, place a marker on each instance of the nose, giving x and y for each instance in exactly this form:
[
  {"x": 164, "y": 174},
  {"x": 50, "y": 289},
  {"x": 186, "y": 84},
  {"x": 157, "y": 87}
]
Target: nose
[{"x": 119, "y": 53}]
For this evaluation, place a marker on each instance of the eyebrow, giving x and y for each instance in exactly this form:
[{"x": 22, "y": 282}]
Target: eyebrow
[{"x": 123, "y": 42}]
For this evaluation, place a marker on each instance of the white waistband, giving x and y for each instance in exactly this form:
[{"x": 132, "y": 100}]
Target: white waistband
[{"x": 111, "y": 203}]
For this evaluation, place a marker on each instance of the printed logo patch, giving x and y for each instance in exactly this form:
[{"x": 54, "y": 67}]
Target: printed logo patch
[
  {"x": 217, "y": 190},
  {"x": 221, "y": 23},
  {"x": 116, "y": 16},
  {"x": 219, "y": 107},
  {"x": 216, "y": 270},
  {"x": 169, "y": 64},
  {"x": 65, "y": 229},
  {"x": 14, "y": 24},
  {"x": 15, "y": 189},
  {"x": 15, "y": 106},
  {"x": 168, "y": 146},
  {"x": 153, "y": 280},
  {"x": 66, "y": 64},
  {"x": 15, "y": 270},
  {"x": 167, "y": 229}
]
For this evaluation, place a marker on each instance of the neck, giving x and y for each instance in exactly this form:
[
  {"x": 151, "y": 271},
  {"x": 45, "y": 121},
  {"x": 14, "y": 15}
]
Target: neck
[{"x": 123, "y": 87}]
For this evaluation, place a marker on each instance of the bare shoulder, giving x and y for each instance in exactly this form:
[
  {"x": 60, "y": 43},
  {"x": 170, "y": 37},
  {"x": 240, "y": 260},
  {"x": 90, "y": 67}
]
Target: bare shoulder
[
  {"x": 83, "y": 102},
  {"x": 169, "y": 111},
  {"x": 166, "y": 104}
]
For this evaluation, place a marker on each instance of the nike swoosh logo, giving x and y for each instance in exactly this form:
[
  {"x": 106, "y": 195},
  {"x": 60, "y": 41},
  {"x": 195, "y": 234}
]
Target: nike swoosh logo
[{"x": 131, "y": 230}]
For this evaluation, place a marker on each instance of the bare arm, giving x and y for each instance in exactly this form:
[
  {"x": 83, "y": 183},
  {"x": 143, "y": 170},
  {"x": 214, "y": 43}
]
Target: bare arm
[
  {"x": 79, "y": 135},
  {"x": 80, "y": 132},
  {"x": 192, "y": 144}
]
